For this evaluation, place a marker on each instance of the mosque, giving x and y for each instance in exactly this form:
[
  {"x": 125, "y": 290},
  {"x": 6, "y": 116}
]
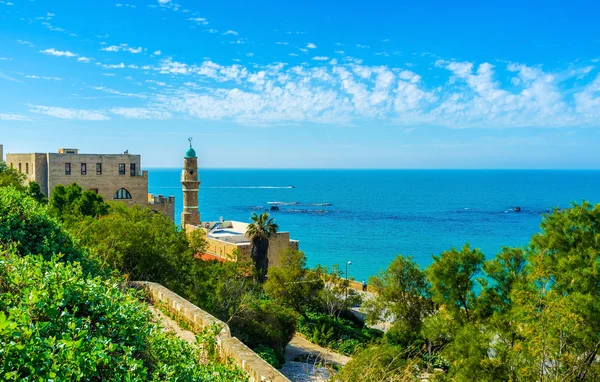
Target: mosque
[{"x": 224, "y": 236}]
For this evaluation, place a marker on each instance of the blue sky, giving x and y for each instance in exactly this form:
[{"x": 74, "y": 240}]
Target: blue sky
[{"x": 384, "y": 84}]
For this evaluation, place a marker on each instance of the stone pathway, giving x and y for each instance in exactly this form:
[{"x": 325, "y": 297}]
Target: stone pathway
[
  {"x": 312, "y": 370},
  {"x": 170, "y": 324}
]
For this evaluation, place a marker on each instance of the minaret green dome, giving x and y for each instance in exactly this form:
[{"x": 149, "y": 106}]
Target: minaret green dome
[{"x": 190, "y": 153}]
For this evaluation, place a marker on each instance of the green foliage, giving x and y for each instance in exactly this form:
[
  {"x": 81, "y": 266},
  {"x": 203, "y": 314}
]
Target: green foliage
[
  {"x": 142, "y": 244},
  {"x": 11, "y": 177},
  {"x": 35, "y": 191},
  {"x": 149, "y": 247},
  {"x": 534, "y": 314},
  {"x": 71, "y": 203},
  {"x": 268, "y": 355},
  {"x": 27, "y": 224},
  {"x": 58, "y": 324},
  {"x": 336, "y": 333},
  {"x": 336, "y": 296},
  {"x": 265, "y": 323},
  {"x": 452, "y": 278},
  {"x": 197, "y": 240},
  {"x": 379, "y": 363},
  {"x": 402, "y": 293},
  {"x": 259, "y": 232},
  {"x": 292, "y": 284}
]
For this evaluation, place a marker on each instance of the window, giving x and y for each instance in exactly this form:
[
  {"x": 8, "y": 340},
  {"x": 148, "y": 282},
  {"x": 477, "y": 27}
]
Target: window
[
  {"x": 67, "y": 168},
  {"x": 121, "y": 168},
  {"x": 83, "y": 169},
  {"x": 20, "y": 170},
  {"x": 98, "y": 168},
  {"x": 94, "y": 189},
  {"x": 26, "y": 168},
  {"x": 132, "y": 169},
  {"x": 122, "y": 194}
]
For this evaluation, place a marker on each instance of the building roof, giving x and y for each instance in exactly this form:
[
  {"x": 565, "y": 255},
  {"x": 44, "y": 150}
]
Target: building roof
[
  {"x": 208, "y": 257},
  {"x": 230, "y": 231},
  {"x": 190, "y": 153}
]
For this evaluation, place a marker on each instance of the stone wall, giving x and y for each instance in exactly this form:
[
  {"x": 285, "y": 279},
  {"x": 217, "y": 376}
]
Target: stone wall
[
  {"x": 108, "y": 182},
  {"x": 257, "y": 368},
  {"x": 162, "y": 204},
  {"x": 277, "y": 245},
  {"x": 225, "y": 250}
]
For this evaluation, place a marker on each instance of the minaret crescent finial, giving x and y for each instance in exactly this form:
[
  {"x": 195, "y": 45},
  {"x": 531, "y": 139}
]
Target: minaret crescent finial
[{"x": 190, "y": 139}]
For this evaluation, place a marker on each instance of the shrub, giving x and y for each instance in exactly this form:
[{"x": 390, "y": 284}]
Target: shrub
[
  {"x": 57, "y": 324},
  {"x": 265, "y": 323},
  {"x": 27, "y": 224},
  {"x": 342, "y": 335},
  {"x": 268, "y": 355}
]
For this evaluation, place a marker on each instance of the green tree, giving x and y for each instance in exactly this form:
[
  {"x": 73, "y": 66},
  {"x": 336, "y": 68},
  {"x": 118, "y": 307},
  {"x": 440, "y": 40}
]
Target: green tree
[
  {"x": 71, "y": 203},
  {"x": 452, "y": 277},
  {"x": 402, "y": 294},
  {"x": 265, "y": 323},
  {"x": 35, "y": 191},
  {"x": 336, "y": 296},
  {"x": 293, "y": 284},
  {"x": 11, "y": 177},
  {"x": 197, "y": 240},
  {"x": 380, "y": 363},
  {"x": 27, "y": 225},
  {"x": 259, "y": 232},
  {"x": 140, "y": 243}
]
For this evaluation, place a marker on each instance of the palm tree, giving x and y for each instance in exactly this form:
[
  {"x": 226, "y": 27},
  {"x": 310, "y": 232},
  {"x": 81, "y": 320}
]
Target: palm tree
[{"x": 259, "y": 232}]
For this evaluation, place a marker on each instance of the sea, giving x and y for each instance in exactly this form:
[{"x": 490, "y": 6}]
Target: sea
[{"x": 362, "y": 219}]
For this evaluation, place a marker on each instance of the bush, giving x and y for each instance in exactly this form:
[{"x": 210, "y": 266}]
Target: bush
[
  {"x": 379, "y": 363},
  {"x": 26, "y": 224},
  {"x": 57, "y": 324},
  {"x": 342, "y": 335},
  {"x": 268, "y": 355},
  {"x": 265, "y": 323}
]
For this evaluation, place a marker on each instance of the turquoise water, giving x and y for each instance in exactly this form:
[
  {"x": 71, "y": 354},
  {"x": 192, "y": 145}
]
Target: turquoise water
[{"x": 369, "y": 216}]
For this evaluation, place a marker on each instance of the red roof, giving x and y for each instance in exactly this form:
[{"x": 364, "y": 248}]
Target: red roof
[{"x": 208, "y": 257}]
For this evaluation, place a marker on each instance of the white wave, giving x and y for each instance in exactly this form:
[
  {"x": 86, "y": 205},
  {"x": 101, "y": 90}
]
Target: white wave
[{"x": 284, "y": 203}]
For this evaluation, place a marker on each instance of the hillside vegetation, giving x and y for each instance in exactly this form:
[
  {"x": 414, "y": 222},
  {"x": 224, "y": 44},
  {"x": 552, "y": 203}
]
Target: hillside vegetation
[{"x": 64, "y": 318}]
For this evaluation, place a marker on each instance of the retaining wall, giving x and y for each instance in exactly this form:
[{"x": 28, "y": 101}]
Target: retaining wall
[{"x": 257, "y": 368}]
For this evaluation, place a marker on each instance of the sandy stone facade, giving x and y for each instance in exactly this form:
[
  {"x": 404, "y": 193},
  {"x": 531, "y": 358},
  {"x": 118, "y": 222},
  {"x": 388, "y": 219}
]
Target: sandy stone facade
[
  {"x": 278, "y": 243},
  {"x": 116, "y": 177}
]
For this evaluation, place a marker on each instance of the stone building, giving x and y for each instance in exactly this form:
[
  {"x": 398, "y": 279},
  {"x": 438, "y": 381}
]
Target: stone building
[
  {"x": 224, "y": 237},
  {"x": 116, "y": 177}
]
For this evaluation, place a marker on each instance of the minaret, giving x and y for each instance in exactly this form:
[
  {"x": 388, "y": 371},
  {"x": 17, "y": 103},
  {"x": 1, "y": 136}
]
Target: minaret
[{"x": 190, "y": 185}]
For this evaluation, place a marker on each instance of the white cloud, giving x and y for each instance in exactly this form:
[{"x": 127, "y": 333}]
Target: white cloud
[
  {"x": 310, "y": 45},
  {"x": 199, "y": 20},
  {"x": 33, "y": 76},
  {"x": 114, "y": 66},
  {"x": 321, "y": 58},
  {"x": 13, "y": 117},
  {"x": 122, "y": 47},
  {"x": 231, "y": 32},
  {"x": 157, "y": 53},
  {"x": 64, "y": 113},
  {"x": 84, "y": 59},
  {"x": 58, "y": 53},
  {"x": 141, "y": 113},
  {"x": 116, "y": 92}
]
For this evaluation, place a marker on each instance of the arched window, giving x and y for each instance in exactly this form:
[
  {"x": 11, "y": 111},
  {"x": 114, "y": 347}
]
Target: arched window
[{"x": 122, "y": 194}]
